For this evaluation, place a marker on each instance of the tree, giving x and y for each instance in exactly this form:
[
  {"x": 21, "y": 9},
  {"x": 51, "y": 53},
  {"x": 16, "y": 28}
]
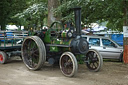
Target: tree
[
  {"x": 34, "y": 15},
  {"x": 4, "y": 9},
  {"x": 95, "y": 11},
  {"x": 8, "y": 8},
  {"x": 125, "y": 29}
]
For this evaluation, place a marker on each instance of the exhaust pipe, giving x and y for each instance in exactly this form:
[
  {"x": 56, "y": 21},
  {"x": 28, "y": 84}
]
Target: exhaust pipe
[
  {"x": 77, "y": 12},
  {"x": 78, "y": 45}
]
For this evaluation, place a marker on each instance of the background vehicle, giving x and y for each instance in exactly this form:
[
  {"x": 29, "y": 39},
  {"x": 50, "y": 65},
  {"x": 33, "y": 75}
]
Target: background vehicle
[
  {"x": 106, "y": 47},
  {"x": 8, "y": 44},
  {"x": 57, "y": 44}
]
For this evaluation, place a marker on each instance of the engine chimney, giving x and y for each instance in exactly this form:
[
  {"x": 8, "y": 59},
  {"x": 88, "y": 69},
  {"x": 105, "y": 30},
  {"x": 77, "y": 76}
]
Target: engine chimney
[{"x": 77, "y": 12}]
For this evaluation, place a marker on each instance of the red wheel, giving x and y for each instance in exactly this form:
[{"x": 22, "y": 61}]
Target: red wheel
[{"x": 3, "y": 57}]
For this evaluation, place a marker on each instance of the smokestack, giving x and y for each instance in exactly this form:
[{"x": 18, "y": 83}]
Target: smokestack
[{"x": 77, "y": 12}]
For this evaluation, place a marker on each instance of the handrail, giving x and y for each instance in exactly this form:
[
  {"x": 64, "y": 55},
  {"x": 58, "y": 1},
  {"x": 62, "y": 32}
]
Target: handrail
[{"x": 12, "y": 37}]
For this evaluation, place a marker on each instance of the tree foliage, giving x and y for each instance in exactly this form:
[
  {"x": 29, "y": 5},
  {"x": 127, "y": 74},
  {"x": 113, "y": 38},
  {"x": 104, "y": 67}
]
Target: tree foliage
[
  {"x": 95, "y": 11},
  {"x": 33, "y": 12},
  {"x": 8, "y": 8},
  {"x": 11, "y": 8},
  {"x": 34, "y": 15}
]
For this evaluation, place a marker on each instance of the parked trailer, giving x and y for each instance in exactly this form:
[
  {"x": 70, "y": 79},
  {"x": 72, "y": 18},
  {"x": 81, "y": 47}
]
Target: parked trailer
[
  {"x": 10, "y": 44},
  {"x": 63, "y": 45}
]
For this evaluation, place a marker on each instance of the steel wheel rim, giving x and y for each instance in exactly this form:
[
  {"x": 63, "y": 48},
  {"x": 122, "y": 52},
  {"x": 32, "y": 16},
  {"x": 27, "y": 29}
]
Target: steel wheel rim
[
  {"x": 67, "y": 65},
  {"x": 93, "y": 63},
  {"x": 1, "y": 58},
  {"x": 31, "y": 53}
]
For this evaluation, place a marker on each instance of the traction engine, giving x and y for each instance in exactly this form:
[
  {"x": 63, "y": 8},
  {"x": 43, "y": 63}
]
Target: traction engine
[{"x": 60, "y": 45}]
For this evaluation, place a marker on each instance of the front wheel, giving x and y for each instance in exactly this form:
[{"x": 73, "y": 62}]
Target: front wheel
[
  {"x": 94, "y": 60},
  {"x": 68, "y": 64}
]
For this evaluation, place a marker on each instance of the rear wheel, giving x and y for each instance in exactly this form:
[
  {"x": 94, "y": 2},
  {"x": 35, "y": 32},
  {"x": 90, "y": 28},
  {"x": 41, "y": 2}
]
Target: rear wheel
[
  {"x": 3, "y": 57},
  {"x": 94, "y": 60},
  {"x": 33, "y": 52},
  {"x": 68, "y": 64}
]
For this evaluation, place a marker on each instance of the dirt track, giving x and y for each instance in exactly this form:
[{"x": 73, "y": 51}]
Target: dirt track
[{"x": 15, "y": 73}]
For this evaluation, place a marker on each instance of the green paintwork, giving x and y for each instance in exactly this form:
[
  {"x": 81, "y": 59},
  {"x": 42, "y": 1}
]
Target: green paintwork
[
  {"x": 54, "y": 49},
  {"x": 47, "y": 37},
  {"x": 63, "y": 34},
  {"x": 54, "y": 40},
  {"x": 80, "y": 59}
]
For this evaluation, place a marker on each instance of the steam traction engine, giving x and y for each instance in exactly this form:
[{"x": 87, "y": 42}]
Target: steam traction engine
[{"x": 65, "y": 46}]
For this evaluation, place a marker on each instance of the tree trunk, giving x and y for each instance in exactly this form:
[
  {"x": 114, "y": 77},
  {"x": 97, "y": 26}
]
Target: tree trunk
[
  {"x": 52, "y": 4},
  {"x": 3, "y": 26},
  {"x": 125, "y": 33}
]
